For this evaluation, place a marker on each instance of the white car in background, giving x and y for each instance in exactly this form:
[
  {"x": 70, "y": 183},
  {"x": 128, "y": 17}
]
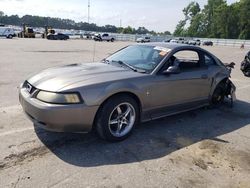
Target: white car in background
[
  {"x": 104, "y": 37},
  {"x": 7, "y": 32},
  {"x": 194, "y": 42},
  {"x": 143, "y": 39},
  {"x": 173, "y": 41}
]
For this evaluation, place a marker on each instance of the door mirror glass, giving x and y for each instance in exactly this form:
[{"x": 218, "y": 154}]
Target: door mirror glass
[{"x": 172, "y": 70}]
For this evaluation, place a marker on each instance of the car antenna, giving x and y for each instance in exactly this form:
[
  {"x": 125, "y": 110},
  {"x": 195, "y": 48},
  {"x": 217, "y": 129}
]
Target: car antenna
[{"x": 94, "y": 51}]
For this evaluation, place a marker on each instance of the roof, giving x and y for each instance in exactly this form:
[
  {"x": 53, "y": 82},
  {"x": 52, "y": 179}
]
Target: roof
[
  {"x": 170, "y": 45},
  {"x": 174, "y": 47}
]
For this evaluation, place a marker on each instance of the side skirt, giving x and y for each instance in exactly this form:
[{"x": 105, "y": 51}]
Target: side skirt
[{"x": 172, "y": 110}]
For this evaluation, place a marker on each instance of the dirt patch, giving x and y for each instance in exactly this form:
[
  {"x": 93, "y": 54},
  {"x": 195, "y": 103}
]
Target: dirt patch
[
  {"x": 209, "y": 145},
  {"x": 20, "y": 158},
  {"x": 200, "y": 163},
  {"x": 197, "y": 181},
  {"x": 39, "y": 151},
  {"x": 241, "y": 159}
]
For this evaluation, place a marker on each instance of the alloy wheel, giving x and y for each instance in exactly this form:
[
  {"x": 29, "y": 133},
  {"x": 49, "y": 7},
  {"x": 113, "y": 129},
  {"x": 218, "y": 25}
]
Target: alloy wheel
[{"x": 122, "y": 119}]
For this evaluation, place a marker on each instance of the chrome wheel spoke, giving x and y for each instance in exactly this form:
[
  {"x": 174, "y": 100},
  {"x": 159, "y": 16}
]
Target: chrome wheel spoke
[
  {"x": 119, "y": 128},
  {"x": 119, "y": 110},
  {"x": 122, "y": 119},
  {"x": 115, "y": 121},
  {"x": 125, "y": 122},
  {"x": 127, "y": 112}
]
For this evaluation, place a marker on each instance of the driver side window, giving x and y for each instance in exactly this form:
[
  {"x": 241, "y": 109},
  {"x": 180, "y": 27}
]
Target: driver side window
[{"x": 187, "y": 60}]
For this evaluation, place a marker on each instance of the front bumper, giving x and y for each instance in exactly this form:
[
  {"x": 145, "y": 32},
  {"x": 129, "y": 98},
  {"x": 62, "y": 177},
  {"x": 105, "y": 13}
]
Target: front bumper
[{"x": 59, "y": 118}]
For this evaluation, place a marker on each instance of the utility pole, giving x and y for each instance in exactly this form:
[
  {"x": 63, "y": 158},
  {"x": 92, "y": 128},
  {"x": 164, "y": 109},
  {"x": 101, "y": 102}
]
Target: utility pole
[
  {"x": 88, "y": 9},
  {"x": 120, "y": 22}
]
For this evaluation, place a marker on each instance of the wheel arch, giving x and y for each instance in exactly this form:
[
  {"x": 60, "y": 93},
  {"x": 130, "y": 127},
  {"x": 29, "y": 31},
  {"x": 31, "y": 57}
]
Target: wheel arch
[{"x": 217, "y": 82}]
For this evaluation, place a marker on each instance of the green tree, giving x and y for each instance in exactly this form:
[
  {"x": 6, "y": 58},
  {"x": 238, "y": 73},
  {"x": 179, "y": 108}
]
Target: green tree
[
  {"x": 180, "y": 28},
  {"x": 191, "y": 10},
  {"x": 209, "y": 12},
  {"x": 190, "y": 13},
  {"x": 244, "y": 19},
  {"x": 217, "y": 19},
  {"x": 127, "y": 30}
]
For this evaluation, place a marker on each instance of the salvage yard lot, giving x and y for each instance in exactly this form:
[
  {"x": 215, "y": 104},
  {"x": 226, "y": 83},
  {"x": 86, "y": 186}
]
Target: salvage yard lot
[{"x": 202, "y": 148}]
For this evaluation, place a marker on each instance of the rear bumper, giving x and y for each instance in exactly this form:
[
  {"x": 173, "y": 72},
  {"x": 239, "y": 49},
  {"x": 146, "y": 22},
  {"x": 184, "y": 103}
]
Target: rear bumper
[{"x": 59, "y": 118}]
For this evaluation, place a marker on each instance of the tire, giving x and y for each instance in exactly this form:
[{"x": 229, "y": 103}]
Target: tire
[
  {"x": 218, "y": 95},
  {"x": 113, "y": 123},
  {"x": 247, "y": 72},
  {"x": 9, "y": 36},
  {"x": 112, "y": 40}
]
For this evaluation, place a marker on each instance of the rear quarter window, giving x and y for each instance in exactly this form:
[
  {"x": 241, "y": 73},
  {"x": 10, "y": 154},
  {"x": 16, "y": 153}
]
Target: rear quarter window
[
  {"x": 209, "y": 61},
  {"x": 187, "y": 55}
]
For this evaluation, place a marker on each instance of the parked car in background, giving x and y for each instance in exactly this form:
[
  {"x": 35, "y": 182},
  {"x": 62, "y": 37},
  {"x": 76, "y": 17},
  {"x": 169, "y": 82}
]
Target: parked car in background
[
  {"x": 167, "y": 40},
  {"x": 208, "y": 43},
  {"x": 7, "y": 32},
  {"x": 198, "y": 42},
  {"x": 86, "y": 35},
  {"x": 194, "y": 42},
  {"x": 180, "y": 40},
  {"x": 104, "y": 37},
  {"x": 138, "y": 83},
  {"x": 57, "y": 36},
  {"x": 173, "y": 41},
  {"x": 143, "y": 39}
]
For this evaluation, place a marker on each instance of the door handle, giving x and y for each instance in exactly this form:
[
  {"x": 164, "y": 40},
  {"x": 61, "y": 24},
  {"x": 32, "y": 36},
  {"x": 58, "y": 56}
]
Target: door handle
[{"x": 204, "y": 76}]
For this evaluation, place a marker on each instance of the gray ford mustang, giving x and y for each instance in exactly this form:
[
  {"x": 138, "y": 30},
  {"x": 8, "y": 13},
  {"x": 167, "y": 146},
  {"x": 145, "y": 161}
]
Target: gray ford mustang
[{"x": 138, "y": 83}]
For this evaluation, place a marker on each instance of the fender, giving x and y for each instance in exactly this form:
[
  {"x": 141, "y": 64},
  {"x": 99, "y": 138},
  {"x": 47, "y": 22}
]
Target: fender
[{"x": 120, "y": 87}]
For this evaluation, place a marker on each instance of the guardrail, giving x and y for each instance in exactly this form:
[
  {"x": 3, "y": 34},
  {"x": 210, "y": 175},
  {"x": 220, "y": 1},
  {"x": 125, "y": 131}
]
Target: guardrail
[
  {"x": 217, "y": 42},
  {"x": 228, "y": 42}
]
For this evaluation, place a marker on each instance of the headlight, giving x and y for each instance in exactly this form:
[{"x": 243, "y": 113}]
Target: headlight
[{"x": 59, "y": 98}]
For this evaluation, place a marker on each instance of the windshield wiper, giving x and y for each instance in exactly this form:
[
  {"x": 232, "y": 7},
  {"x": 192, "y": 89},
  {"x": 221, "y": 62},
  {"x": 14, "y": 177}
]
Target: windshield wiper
[{"x": 129, "y": 66}]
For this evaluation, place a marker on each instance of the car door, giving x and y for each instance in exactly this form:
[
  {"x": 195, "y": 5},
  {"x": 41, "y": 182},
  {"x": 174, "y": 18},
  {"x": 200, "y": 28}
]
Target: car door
[{"x": 177, "y": 92}]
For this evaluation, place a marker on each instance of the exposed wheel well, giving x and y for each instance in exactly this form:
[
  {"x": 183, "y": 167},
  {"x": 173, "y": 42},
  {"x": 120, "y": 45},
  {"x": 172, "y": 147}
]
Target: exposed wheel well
[
  {"x": 222, "y": 82},
  {"x": 130, "y": 94}
]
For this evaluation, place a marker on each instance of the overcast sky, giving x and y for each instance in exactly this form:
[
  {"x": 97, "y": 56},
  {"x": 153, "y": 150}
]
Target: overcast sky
[{"x": 158, "y": 15}]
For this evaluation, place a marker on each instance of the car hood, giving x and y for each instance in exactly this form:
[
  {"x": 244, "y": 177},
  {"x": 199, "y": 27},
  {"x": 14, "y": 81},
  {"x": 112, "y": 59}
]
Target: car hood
[{"x": 58, "y": 78}]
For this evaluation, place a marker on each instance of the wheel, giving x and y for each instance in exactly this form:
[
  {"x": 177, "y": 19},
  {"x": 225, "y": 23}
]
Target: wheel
[
  {"x": 218, "y": 95},
  {"x": 247, "y": 72},
  {"x": 112, "y": 40},
  {"x": 9, "y": 36},
  {"x": 117, "y": 118}
]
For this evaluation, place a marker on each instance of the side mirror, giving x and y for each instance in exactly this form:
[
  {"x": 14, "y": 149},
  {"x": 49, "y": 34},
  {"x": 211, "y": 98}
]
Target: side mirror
[{"x": 172, "y": 70}]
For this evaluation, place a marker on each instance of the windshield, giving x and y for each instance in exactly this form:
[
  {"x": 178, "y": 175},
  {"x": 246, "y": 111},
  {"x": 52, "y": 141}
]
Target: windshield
[{"x": 140, "y": 56}]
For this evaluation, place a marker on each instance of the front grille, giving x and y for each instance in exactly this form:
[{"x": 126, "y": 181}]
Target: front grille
[{"x": 29, "y": 87}]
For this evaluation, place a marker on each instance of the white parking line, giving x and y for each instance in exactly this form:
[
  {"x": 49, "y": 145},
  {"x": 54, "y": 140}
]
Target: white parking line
[{"x": 15, "y": 131}]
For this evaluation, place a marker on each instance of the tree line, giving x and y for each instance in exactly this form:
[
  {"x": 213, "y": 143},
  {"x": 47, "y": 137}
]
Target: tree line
[
  {"x": 216, "y": 20},
  {"x": 38, "y": 21}
]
